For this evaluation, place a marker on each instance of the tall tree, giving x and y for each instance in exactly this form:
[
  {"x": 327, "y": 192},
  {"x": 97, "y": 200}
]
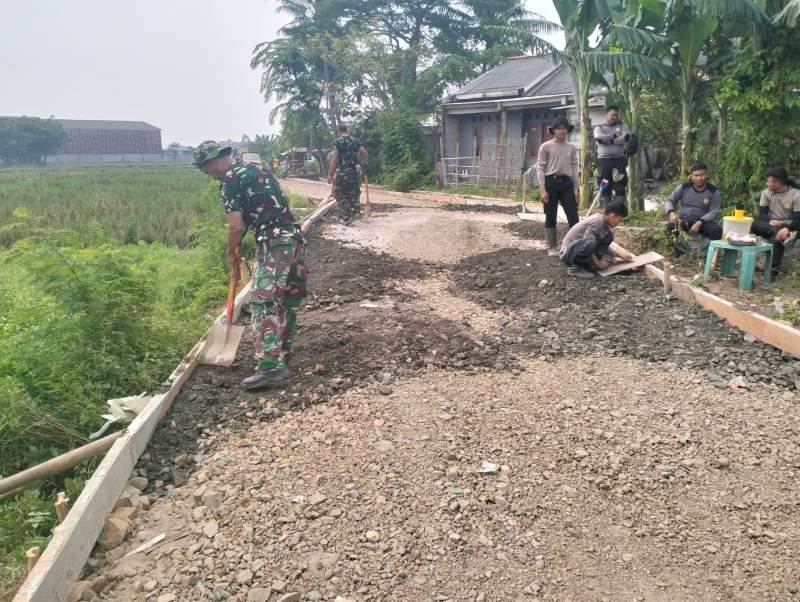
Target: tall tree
[{"x": 689, "y": 25}]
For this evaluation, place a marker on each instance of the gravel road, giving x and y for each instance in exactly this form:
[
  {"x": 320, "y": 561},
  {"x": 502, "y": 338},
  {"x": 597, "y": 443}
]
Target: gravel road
[{"x": 466, "y": 422}]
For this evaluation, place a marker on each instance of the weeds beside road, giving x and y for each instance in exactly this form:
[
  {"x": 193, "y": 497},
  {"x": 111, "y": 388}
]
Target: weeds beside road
[{"x": 107, "y": 277}]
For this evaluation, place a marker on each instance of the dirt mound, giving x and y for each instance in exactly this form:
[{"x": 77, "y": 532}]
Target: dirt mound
[
  {"x": 533, "y": 230},
  {"x": 476, "y": 207},
  {"x": 339, "y": 273},
  {"x": 623, "y": 315}
]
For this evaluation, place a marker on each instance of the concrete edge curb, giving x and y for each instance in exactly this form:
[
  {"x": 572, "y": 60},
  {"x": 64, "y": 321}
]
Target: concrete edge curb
[{"x": 783, "y": 337}]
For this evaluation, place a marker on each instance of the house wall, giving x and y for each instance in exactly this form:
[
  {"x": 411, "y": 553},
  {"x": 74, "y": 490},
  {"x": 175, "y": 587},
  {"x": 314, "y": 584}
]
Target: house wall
[{"x": 463, "y": 133}]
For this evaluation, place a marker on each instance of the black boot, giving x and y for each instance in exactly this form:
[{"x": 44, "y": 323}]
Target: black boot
[
  {"x": 552, "y": 249},
  {"x": 265, "y": 377}
]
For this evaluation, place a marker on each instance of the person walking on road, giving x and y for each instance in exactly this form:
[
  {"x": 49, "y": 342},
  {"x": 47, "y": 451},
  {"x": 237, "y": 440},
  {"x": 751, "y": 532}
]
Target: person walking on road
[
  {"x": 345, "y": 174},
  {"x": 557, "y": 172},
  {"x": 254, "y": 200}
]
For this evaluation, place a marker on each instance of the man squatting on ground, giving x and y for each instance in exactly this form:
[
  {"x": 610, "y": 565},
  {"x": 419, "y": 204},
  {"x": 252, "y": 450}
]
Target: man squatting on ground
[
  {"x": 558, "y": 177},
  {"x": 345, "y": 174},
  {"x": 699, "y": 203},
  {"x": 614, "y": 143},
  {"x": 779, "y": 214},
  {"x": 253, "y": 199},
  {"x": 588, "y": 241}
]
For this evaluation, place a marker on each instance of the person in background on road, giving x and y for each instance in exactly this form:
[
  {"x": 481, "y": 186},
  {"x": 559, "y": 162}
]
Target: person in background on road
[
  {"x": 557, "y": 171},
  {"x": 345, "y": 173},
  {"x": 276, "y": 167},
  {"x": 586, "y": 243},
  {"x": 613, "y": 139},
  {"x": 779, "y": 214},
  {"x": 698, "y": 204},
  {"x": 254, "y": 200}
]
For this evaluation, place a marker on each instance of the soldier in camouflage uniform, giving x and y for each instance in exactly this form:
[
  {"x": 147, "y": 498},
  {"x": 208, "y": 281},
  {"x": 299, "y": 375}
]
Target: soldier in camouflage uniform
[
  {"x": 345, "y": 173},
  {"x": 253, "y": 200}
]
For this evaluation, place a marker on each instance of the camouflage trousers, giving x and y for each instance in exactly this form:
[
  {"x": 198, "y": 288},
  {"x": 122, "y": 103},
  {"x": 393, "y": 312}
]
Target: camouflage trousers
[
  {"x": 347, "y": 190},
  {"x": 279, "y": 287}
]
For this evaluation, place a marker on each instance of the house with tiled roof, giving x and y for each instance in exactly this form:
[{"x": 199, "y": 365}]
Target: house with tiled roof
[{"x": 496, "y": 123}]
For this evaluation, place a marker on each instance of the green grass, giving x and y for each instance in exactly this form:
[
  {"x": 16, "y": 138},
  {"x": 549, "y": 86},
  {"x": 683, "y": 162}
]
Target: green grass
[
  {"x": 150, "y": 203},
  {"x": 108, "y": 275}
]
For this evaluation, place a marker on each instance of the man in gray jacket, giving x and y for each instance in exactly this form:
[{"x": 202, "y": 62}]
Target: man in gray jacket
[
  {"x": 698, "y": 204},
  {"x": 612, "y": 138}
]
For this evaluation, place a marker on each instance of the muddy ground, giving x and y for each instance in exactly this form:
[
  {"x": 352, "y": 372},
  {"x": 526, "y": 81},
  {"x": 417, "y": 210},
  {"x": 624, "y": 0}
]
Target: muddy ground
[{"x": 467, "y": 422}]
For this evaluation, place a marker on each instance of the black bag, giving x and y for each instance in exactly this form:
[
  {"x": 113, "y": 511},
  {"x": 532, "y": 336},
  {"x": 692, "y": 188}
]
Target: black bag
[{"x": 632, "y": 145}]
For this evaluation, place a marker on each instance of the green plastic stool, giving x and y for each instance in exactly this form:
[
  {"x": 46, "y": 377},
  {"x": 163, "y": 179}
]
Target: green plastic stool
[{"x": 748, "y": 266}]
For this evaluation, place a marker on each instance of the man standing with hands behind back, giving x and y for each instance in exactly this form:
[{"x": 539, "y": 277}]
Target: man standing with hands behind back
[{"x": 557, "y": 172}]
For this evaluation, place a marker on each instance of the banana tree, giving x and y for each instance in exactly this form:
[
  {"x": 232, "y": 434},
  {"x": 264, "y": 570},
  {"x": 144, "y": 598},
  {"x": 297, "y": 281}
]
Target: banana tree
[
  {"x": 632, "y": 32},
  {"x": 580, "y": 20},
  {"x": 688, "y": 25}
]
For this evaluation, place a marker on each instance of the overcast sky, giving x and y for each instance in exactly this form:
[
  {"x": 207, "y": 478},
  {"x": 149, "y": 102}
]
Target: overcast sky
[{"x": 181, "y": 65}]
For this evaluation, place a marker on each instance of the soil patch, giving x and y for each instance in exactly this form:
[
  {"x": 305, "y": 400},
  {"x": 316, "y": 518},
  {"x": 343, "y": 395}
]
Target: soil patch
[
  {"x": 343, "y": 274},
  {"x": 533, "y": 230},
  {"x": 621, "y": 315},
  {"x": 473, "y": 206}
]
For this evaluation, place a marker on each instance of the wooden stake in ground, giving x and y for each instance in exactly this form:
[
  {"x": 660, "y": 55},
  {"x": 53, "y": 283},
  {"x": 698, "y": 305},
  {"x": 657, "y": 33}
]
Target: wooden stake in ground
[
  {"x": 62, "y": 507},
  {"x": 32, "y": 554},
  {"x": 366, "y": 191}
]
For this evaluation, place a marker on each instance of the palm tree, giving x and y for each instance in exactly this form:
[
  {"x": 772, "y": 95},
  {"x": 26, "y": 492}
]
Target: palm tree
[{"x": 789, "y": 14}]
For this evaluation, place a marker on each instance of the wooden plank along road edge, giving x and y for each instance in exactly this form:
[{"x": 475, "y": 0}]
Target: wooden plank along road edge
[
  {"x": 62, "y": 561},
  {"x": 767, "y": 330}
]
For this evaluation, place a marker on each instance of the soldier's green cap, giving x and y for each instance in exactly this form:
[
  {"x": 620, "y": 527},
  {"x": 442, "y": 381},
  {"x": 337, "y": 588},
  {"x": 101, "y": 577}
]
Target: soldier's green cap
[{"x": 208, "y": 151}]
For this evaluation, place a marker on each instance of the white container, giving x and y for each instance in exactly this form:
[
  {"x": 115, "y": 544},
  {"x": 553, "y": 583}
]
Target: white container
[{"x": 740, "y": 225}]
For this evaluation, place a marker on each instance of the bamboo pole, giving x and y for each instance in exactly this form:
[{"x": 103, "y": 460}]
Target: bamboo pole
[{"x": 58, "y": 464}]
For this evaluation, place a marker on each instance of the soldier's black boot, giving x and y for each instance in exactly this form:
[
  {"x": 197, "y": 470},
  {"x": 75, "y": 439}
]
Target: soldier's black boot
[{"x": 265, "y": 377}]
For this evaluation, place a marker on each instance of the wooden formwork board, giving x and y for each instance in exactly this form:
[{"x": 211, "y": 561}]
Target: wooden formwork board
[
  {"x": 62, "y": 561},
  {"x": 772, "y": 332}
]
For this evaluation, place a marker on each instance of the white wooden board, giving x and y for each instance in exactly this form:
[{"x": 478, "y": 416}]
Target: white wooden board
[
  {"x": 62, "y": 561},
  {"x": 638, "y": 262}
]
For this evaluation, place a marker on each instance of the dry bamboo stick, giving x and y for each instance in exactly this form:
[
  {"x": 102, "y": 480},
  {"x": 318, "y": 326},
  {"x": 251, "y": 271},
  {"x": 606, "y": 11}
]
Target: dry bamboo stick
[{"x": 58, "y": 464}]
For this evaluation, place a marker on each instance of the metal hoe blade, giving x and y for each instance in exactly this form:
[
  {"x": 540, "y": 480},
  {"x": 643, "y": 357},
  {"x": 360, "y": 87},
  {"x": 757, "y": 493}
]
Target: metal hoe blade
[{"x": 221, "y": 345}]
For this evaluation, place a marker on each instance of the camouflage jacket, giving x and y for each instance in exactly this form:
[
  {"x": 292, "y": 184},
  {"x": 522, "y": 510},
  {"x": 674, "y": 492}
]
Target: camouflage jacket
[
  {"x": 348, "y": 150},
  {"x": 259, "y": 197}
]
